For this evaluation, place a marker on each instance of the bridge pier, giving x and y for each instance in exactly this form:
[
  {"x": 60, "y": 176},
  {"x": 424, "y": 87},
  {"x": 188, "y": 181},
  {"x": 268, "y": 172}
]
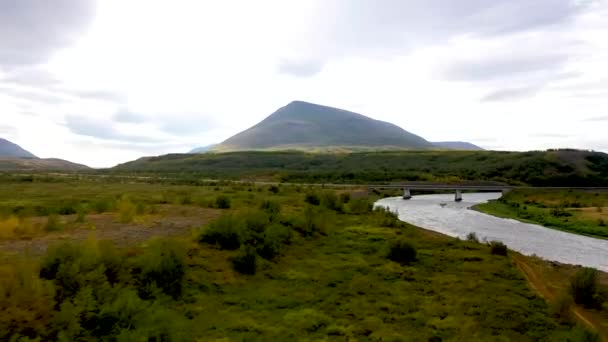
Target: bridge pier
[
  {"x": 458, "y": 196},
  {"x": 406, "y": 194}
]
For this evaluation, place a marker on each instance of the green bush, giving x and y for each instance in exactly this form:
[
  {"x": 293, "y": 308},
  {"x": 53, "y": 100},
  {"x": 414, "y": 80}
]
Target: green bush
[
  {"x": 274, "y": 189},
  {"x": 584, "y": 288},
  {"x": 274, "y": 237},
  {"x": 387, "y": 218},
  {"x": 472, "y": 237},
  {"x": 345, "y": 197},
  {"x": 498, "y": 248},
  {"x": 360, "y": 206},
  {"x": 162, "y": 267},
  {"x": 226, "y": 232},
  {"x": 53, "y": 223},
  {"x": 331, "y": 201},
  {"x": 272, "y": 208},
  {"x": 223, "y": 202},
  {"x": 246, "y": 260},
  {"x": 312, "y": 222},
  {"x": 312, "y": 198},
  {"x": 402, "y": 252}
]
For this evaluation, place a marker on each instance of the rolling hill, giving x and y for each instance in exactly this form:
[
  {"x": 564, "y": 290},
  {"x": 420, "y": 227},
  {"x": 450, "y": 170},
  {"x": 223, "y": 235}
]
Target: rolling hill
[
  {"x": 457, "y": 145},
  {"x": 15, "y": 158},
  {"x": 311, "y": 127},
  {"x": 538, "y": 168}
]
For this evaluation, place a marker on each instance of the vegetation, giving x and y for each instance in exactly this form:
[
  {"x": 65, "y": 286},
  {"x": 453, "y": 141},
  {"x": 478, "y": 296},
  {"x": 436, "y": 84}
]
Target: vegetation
[
  {"x": 271, "y": 267},
  {"x": 549, "y": 168},
  {"x": 585, "y": 289},
  {"x": 498, "y": 248},
  {"x": 581, "y": 212}
]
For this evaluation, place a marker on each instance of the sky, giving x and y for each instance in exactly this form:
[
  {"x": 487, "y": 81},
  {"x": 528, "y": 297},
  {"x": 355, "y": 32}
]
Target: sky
[{"x": 108, "y": 81}]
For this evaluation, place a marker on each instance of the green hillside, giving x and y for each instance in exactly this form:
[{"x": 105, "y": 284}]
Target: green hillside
[
  {"x": 302, "y": 125},
  {"x": 540, "y": 168}
]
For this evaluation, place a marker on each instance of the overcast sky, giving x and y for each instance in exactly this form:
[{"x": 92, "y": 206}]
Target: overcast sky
[{"x": 107, "y": 81}]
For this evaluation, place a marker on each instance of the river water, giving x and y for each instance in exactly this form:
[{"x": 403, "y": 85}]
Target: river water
[{"x": 456, "y": 219}]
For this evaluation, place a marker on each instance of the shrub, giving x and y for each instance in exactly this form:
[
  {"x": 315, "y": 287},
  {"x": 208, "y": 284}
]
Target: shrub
[
  {"x": 223, "y": 202},
  {"x": 387, "y": 218},
  {"x": 274, "y": 236},
  {"x": 225, "y": 231},
  {"x": 81, "y": 213},
  {"x": 274, "y": 189},
  {"x": 312, "y": 222},
  {"x": 584, "y": 288},
  {"x": 561, "y": 309},
  {"x": 402, "y": 252},
  {"x": 126, "y": 210},
  {"x": 246, "y": 260},
  {"x": 360, "y": 206},
  {"x": 331, "y": 201},
  {"x": 53, "y": 223},
  {"x": 312, "y": 198},
  {"x": 498, "y": 248},
  {"x": 345, "y": 197},
  {"x": 162, "y": 266},
  {"x": 601, "y": 223},
  {"x": 472, "y": 237},
  {"x": 103, "y": 205},
  {"x": 272, "y": 208}
]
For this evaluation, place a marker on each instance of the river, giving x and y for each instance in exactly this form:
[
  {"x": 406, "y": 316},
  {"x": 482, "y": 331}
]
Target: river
[{"x": 456, "y": 219}]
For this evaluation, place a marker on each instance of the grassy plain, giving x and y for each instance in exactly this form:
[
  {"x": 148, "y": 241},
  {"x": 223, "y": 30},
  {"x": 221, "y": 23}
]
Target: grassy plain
[
  {"x": 580, "y": 212},
  {"x": 325, "y": 274}
]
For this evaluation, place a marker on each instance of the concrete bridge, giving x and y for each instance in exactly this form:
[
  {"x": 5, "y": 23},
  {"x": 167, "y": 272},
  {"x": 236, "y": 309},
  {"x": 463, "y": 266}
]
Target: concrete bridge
[{"x": 459, "y": 188}]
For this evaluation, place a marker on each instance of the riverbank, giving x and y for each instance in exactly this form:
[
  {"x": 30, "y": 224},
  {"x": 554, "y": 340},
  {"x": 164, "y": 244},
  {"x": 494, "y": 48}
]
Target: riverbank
[
  {"x": 320, "y": 269},
  {"x": 578, "y": 212}
]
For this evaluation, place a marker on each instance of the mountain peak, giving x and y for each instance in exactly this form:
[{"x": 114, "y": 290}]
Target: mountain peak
[{"x": 305, "y": 125}]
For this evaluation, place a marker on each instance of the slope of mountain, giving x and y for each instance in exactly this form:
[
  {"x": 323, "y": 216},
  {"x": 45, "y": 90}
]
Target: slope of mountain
[
  {"x": 203, "y": 149},
  {"x": 308, "y": 126},
  {"x": 8, "y": 149},
  {"x": 457, "y": 145},
  {"x": 38, "y": 164},
  {"x": 538, "y": 168}
]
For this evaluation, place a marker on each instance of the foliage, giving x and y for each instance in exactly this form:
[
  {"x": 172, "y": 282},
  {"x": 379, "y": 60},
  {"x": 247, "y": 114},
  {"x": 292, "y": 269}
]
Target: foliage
[
  {"x": 472, "y": 237},
  {"x": 271, "y": 208},
  {"x": 312, "y": 198},
  {"x": 360, "y": 206},
  {"x": 584, "y": 288},
  {"x": 498, "y": 248},
  {"x": 246, "y": 260},
  {"x": 223, "y": 202},
  {"x": 402, "y": 251},
  {"x": 569, "y": 210},
  {"x": 53, "y": 223},
  {"x": 162, "y": 267},
  {"x": 225, "y": 232},
  {"x": 538, "y": 168}
]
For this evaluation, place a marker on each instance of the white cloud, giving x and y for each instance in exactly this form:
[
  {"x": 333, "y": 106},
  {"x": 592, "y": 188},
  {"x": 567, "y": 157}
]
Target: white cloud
[{"x": 139, "y": 77}]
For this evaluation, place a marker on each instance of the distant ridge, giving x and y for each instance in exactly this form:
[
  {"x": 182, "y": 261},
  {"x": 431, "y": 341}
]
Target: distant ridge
[
  {"x": 308, "y": 126},
  {"x": 12, "y": 150},
  {"x": 457, "y": 145},
  {"x": 15, "y": 158}
]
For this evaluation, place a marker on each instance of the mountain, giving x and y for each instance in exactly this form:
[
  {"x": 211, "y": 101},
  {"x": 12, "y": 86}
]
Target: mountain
[
  {"x": 457, "y": 145},
  {"x": 15, "y": 158},
  {"x": 39, "y": 164},
  {"x": 203, "y": 149},
  {"x": 307, "y": 126},
  {"x": 8, "y": 149}
]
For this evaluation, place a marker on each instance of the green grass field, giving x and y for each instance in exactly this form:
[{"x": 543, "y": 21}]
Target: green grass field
[
  {"x": 312, "y": 266},
  {"x": 580, "y": 212}
]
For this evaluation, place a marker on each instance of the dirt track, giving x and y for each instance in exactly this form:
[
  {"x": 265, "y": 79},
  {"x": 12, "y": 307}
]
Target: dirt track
[{"x": 539, "y": 286}]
